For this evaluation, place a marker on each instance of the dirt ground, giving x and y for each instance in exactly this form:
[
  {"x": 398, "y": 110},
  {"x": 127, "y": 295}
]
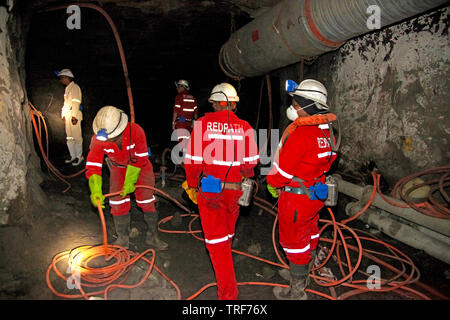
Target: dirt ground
[{"x": 70, "y": 221}]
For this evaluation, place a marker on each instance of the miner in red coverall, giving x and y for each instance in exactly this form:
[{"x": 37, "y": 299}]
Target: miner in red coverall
[
  {"x": 221, "y": 151},
  {"x": 125, "y": 144},
  {"x": 305, "y": 154},
  {"x": 185, "y": 112}
]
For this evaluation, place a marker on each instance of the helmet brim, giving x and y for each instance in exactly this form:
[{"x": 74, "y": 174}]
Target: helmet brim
[
  {"x": 309, "y": 98},
  {"x": 119, "y": 129}
]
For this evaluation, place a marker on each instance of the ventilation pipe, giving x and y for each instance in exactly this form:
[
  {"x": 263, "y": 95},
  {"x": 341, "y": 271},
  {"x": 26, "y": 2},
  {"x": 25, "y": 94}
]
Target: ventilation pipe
[
  {"x": 435, "y": 244},
  {"x": 363, "y": 194},
  {"x": 294, "y": 30}
]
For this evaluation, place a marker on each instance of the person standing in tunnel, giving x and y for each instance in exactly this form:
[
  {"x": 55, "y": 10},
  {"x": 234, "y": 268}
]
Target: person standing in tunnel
[
  {"x": 125, "y": 144},
  {"x": 72, "y": 116},
  {"x": 220, "y": 152},
  {"x": 305, "y": 153},
  {"x": 185, "y": 112}
]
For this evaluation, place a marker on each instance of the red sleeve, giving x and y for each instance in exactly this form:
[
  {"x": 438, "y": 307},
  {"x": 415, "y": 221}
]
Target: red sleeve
[
  {"x": 193, "y": 161},
  {"x": 177, "y": 104},
  {"x": 94, "y": 160},
  {"x": 195, "y": 109},
  {"x": 140, "y": 151}
]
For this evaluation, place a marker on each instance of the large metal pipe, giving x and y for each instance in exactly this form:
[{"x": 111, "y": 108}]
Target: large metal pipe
[
  {"x": 297, "y": 29},
  {"x": 434, "y": 244},
  {"x": 363, "y": 195}
]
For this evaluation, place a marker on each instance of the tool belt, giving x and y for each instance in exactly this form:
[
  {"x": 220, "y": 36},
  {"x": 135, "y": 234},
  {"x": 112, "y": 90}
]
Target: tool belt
[
  {"x": 215, "y": 185},
  {"x": 231, "y": 185},
  {"x": 183, "y": 119},
  {"x": 317, "y": 191},
  {"x": 110, "y": 163},
  {"x": 294, "y": 190},
  {"x": 118, "y": 165}
]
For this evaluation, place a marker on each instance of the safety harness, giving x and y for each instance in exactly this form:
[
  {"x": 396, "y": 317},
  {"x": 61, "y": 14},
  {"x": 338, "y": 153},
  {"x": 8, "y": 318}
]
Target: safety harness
[{"x": 318, "y": 119}]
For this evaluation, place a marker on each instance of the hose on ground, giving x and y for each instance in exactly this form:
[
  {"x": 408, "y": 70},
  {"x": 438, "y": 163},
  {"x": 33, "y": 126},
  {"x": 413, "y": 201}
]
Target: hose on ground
[
  {"x": 37, "y": 130},
  {"x": 432, "y": 206},
  {"x": 114, "y": 274},
  {"x": 347, "y": 266},
  {"x": 345, "y": 240}
]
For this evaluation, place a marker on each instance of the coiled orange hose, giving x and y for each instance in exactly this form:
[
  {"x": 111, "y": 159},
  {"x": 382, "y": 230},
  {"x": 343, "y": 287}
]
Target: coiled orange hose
[
  {"x": 340, "y": 241},
  {"x": 92, "y": 277},
  {"x": 430, "y": 207}
]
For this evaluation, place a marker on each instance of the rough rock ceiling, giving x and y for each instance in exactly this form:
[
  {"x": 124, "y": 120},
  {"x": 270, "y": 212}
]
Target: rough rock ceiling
[{"x": 168, "y": 6}]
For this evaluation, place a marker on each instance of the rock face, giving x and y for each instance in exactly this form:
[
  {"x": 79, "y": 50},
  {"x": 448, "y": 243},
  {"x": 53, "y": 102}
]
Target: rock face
[
  {"x": 19, "y": 164},
  {"x": 390, "y": 89}
]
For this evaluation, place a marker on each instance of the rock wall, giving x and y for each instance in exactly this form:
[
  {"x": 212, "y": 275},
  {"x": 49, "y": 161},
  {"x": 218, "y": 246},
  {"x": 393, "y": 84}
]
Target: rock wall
[
  {"x": 390, "y": 89},
  {"x": 19, "y": 165}
]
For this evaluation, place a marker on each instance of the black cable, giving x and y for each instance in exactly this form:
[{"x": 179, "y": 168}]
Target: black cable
[{"x": 131, "y": 159}]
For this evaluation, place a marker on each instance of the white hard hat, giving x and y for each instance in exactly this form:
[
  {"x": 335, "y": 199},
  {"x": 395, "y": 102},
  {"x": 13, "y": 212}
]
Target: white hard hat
[
  {"x": 183, "y": 83},
  {"x": 109, "y": 122},
  {"x": 224, "y": 92},
  {"x": 312, "y": 90},
  {"x": 65, "y": 72}
]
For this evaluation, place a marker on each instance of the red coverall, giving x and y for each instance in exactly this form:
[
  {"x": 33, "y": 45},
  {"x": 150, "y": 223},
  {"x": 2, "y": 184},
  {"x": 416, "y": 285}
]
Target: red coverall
[
  {"x": 306, "y": 154},
  {"x": 185, "y": 109},
  {"x": 134, "y": 149},
  {"x": 210, "y": 151}
]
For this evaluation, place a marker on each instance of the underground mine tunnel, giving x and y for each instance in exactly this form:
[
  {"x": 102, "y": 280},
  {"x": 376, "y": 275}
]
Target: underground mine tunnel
[{"x": 382, "y": 70}]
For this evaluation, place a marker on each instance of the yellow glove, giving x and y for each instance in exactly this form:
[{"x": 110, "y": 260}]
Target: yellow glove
[
  {"x": 95, "y": 185},
  {"x": 272, "y": 190},
  {"x": 131, "y": 177},
  {"x": 191, "y": 192}
]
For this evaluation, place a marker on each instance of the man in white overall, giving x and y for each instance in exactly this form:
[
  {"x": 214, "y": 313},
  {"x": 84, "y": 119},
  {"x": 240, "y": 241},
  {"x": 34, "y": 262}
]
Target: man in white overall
[{"x": 72, "y": 116}]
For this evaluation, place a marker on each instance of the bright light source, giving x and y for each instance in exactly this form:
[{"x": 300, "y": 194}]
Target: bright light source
[{"x": 291, "y": 86}]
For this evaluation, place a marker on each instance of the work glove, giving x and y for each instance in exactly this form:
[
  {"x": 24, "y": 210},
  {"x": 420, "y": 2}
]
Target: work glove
[
  {"x": 191, "y": 192},
  {"x": 95, "y": 185},
  {"x": 74, "y": 120},
  {"x": 131, "y": 177},
  {"x": 272, "y": 190}
]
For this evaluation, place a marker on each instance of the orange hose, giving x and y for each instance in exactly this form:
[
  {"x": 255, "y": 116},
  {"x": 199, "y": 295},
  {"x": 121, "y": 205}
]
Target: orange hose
[
  {"x": 88, "y": 277},
  {"x": 374, "y": 191},
  {"x": 34, "y": 112},
  {"x": 120, "y": 270},
  {"x": 400, "y": 287},
  {"x": 431, "y": 207}
]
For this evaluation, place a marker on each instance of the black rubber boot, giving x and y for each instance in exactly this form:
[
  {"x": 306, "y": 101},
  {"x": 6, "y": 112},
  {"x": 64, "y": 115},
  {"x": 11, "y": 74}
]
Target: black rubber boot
[
  {"x": 122, "y": 225},
  {"x": 151, "y": 237},
  {"x": 311, "y": 265},
  {"x": 286, "y": 275},
  {"x": 298, "y": 283}
]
